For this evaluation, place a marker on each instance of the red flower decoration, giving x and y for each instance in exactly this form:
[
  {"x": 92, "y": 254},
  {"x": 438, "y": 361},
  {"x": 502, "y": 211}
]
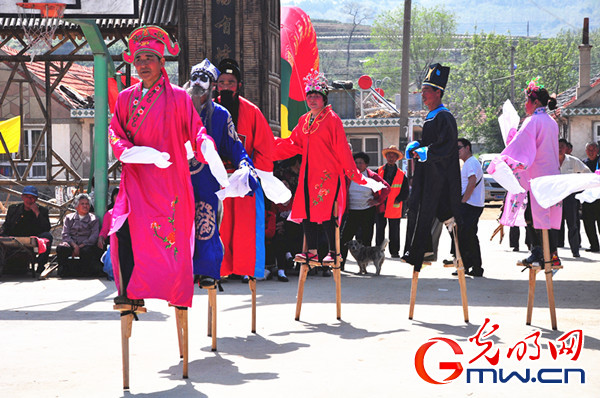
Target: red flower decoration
[{"x": 171, "y": 238}]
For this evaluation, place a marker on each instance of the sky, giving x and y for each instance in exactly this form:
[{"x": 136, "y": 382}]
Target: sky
[{"x": 517, "y": 17}]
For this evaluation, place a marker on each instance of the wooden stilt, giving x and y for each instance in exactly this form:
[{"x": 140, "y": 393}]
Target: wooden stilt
[
  {"x": 549, "y": 283},
  {"x": 209, "y": 322},
  {"x": 126, "y": 326},
  {"x": 531, "y": 294},
  {"x": 252, "y": 286},
  {"x": 304, "y": 267},
  {"x": 181, "y": 315},
  {"x": 301, "y": 280},
  {"x": 212, "y": 298},
  {"x": 212, "y": 314},
  {"x": 337, "y": 271},
  {"x": 179, "y": 335},
  {"x": 337, "y": 277},
  {"x": 460, "y": 270},
  {"x": 413, "y": 294}
]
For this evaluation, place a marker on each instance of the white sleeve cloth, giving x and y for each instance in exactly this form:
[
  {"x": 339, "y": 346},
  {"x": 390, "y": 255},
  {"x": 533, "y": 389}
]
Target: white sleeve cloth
[
  {"x": 504, "y": 176},
  {"x": 145, "y": 155},
  {"x": 274, "y": 189},
  {"x": 214, "y": 161},
  {"x": 238, "y": 185},
  {"x": 549, "y": 190},
  {"x": 509, "y": 119},
  {"x": 374, "y": 185}
]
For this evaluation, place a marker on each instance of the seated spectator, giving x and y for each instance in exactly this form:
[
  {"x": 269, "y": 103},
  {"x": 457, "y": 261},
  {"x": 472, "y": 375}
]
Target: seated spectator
[
  {"x": 25, "y": 219},
  {"x": 80, "y": 240}
]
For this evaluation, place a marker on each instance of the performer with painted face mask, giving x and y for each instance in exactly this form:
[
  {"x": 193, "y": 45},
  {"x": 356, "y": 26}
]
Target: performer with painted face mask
[{"x": 208, "y": 252}]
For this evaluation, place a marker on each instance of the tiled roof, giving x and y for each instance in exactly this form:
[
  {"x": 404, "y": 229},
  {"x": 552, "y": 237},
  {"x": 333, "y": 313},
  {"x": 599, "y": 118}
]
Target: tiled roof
[
  {"x": 75, "y": 87},
  {"x": 152, "y": 12},
  {"x": 567, "y": 97}
]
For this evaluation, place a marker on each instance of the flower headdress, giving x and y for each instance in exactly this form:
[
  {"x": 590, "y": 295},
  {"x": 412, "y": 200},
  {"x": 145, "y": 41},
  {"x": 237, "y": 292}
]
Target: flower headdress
[
  {"x": 533, "y": 87},
  {"x": 316, "y": 82}
]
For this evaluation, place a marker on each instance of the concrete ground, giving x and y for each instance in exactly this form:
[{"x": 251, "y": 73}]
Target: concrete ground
[{"x": 61, "y": 338}]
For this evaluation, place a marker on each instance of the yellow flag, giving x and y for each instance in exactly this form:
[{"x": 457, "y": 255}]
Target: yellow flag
[{"x": 11, "y": 132}]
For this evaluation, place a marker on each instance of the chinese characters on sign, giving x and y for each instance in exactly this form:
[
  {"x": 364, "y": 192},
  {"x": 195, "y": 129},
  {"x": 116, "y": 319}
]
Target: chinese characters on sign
[{"x": 223, "y": 29}]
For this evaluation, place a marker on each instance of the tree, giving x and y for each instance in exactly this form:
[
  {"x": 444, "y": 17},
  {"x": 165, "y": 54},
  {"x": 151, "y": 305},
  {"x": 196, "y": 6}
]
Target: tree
[
  {"x": 359, "y": 14},
  {"x": 479, "y": 86},
  {"x": 432, "y": 31}
]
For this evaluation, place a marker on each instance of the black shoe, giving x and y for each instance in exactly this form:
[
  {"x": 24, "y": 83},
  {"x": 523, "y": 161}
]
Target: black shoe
[
  {"x": 326, "y": 272},
  {"x": 245, "y": 279},
  {"x": 448, "y": 261},
  {"x": 515, "y": 249},
  {"x": 455, "y": 273},
  {"x": 536, "y": 256},
  {"x": 123, "y": 299},
  {"x": 282, "y": 278},
  {"x": 576, "y": 255},
  {"x": 205, "y": 281},
  {"x": 395, "y": 255},
  {"x": 430, "y": 257},
  {"x": 475, "y": 272},
  {"x": 593, "y": 250}
]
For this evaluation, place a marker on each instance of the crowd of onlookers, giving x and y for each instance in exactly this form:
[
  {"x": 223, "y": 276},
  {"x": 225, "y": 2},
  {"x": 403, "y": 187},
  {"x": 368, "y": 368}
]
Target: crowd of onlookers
[{"x": 84, "y": 240}]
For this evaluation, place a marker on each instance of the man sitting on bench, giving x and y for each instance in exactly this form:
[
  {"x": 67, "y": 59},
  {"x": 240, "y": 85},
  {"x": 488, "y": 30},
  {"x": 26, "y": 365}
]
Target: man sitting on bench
[
  {"x": 24, "y": 220},
  {"x": 79, "y": 241}
]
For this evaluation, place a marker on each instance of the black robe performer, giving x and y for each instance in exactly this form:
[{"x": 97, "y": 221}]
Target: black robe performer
[{"x": 436, "y": 182}]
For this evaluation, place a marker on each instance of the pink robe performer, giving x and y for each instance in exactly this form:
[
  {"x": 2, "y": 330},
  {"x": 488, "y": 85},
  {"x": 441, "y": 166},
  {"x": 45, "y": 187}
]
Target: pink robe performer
[
  {"x": 532, "y": 152},
  {"x": 158, "y": 203}
]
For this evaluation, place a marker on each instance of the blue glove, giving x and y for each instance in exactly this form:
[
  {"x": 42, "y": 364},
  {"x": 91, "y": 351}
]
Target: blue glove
[
  {"x": 422, "y": 152},
  {"x": 252, "y": 177},
  {"x": 411, "y": 147}
]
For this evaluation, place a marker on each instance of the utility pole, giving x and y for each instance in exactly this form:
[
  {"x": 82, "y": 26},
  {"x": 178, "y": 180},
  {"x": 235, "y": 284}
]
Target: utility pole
[
  {"x": 512, "y": 72},
  {"x": 405, "y": 76}
]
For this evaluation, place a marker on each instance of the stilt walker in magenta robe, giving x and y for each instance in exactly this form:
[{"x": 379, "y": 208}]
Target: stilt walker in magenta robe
[{"x": 151, "y": 234}]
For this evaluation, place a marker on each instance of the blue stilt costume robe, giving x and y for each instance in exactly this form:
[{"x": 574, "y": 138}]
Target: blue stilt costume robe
[{"x": 208, "y": 251}]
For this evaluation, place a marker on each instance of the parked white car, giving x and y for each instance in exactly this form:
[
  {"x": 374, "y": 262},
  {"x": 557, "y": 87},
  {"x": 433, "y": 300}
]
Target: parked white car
[{"x": 493, "y": 190}]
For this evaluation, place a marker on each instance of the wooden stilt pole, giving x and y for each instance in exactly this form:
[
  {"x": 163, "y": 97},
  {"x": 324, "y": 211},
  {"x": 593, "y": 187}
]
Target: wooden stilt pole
[
  {"x": 126, "y": 327},
  {"x": 531, "y": 294},
  {"x": 301, "y": 280},
  {"x": 212, "y": 298},
  {"x": 179, "y": 336},
  {"x": 209, "y": 322},
  {"x": 181, "y": 315},
  {"x": 252, "y": 285},
  {"x": 460, "y": 270},
  {"x": 304, "y": 267},
  {"x": 549, "y": 283},
  {"x": 413, "y": 294},
  {"x": 337, "y": 272}
]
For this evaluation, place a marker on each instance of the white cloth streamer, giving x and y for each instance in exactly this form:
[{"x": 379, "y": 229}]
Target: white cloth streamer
[
  {"x": 504, "y": 176},
  {"x": 274, "y": 189},
  {"x": 145, "y": 155},
  {"x": 549, "y": 190},
  {"x": 214, "y": 162},
  {"x": 509, "y": 119}
]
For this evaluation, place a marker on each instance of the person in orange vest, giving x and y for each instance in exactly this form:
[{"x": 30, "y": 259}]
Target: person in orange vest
[{"x": 391, "y": 209}]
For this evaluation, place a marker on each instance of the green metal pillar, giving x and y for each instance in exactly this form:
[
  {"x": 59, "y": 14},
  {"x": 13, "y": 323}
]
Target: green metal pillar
[{"x": 103, "y": 69}]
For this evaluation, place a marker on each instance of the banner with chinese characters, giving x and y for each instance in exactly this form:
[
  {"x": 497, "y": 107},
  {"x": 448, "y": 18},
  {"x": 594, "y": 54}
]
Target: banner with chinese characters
[{"x": 222, "y": 25}]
